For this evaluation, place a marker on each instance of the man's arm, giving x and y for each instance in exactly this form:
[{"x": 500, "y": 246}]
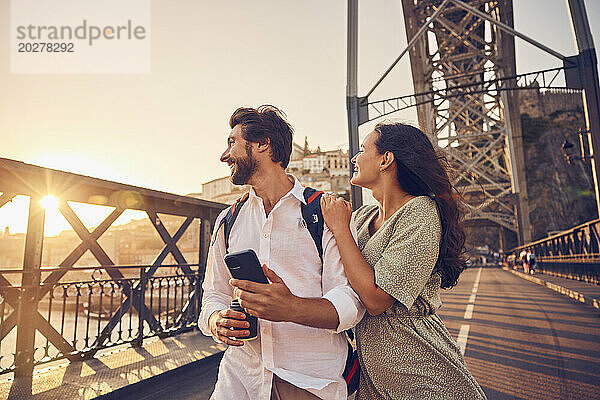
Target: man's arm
[
  {"x": 275, "y": 302},
  {"x": 338, "y": 309}
]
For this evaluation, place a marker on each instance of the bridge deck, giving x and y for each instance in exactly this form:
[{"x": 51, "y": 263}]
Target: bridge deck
[
  {"x": 115, "y": 369},
  {"x": 521, "y": 341}
]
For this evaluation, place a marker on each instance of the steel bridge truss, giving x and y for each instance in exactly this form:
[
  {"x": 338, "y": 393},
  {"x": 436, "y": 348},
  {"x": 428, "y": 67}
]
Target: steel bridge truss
[
  {"x": 546, "y": 79},
  {"x": 34, "y": 306},
  {"x": 466, "y": 87}
]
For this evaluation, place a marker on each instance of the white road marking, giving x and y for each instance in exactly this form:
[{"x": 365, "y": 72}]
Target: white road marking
[
  {"x": 469, "y": 311},
  {"x": 463, "y": 335}
]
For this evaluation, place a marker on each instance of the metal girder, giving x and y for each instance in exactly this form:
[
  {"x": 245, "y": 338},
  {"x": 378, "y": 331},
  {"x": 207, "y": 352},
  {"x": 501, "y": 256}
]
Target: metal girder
[
  {"x": 462, "y": 56},
  {"x": 19, "y": 178},
  {"x": 20, "y": 309},
  {"x": 135, "y": 294},
  {"x": 545, "y": 79},
  {"x": 588, "y": 79},
  {"x": 352, "y": 100},
  {"x": 461, "y": 68},
  {"x": 30, "y": 281},
  {"x": 170, "y": 244},
  {"x": 77, "y": 252},
  {"x": 5, "y": 198}
]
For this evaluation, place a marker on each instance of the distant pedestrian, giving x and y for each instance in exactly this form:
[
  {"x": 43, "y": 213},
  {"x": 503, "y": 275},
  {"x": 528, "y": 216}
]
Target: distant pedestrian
[
  {"x": 409, "y": 245},
  {"x": 524, "y": 262},
  {"x": 531, "y": 262}
]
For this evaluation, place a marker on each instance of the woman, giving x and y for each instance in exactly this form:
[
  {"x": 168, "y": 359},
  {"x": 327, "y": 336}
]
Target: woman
[{"x": 412, "y": 244}]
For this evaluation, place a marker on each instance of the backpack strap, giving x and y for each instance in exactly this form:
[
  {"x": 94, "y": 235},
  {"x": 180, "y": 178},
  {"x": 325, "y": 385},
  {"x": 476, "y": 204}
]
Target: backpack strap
[
  {"x": 313, "y": 217},
  {"x": 311, "y": 213},
  {"x": 229, "y": 220}
]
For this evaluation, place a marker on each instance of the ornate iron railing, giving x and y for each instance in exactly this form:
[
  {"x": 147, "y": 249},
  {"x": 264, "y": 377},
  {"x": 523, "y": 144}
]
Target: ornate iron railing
[
  {"x": 83, "y": 317},
  {"x": 51, "y": 313},
  {"x": 573, "y": 253}
]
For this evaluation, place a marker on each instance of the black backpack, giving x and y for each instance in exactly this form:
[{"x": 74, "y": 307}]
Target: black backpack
[{"x": 313, "y": 220}]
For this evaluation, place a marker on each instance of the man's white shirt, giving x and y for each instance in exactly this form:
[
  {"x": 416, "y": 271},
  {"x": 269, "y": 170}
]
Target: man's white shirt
[{"x": 307, "y": 357}]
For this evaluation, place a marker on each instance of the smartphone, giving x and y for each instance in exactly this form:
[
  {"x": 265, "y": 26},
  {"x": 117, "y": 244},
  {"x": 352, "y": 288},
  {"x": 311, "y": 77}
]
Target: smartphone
[{"x": 244, "y": 265}]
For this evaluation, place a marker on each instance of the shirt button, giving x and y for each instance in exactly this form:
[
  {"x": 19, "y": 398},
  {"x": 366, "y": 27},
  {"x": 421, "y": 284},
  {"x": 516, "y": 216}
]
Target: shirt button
[{"x": 266, "y": 235}]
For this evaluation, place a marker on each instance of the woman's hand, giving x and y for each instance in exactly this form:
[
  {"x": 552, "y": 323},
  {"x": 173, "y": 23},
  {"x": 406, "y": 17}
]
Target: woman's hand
[{"x": 337, "y": 212}]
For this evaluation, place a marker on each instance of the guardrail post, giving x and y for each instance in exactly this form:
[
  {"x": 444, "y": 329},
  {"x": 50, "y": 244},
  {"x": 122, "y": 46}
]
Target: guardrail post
[
  {"x": 205, "y": 231},
  {"x": 206, "y": 228},
  {"x": 28, "y": 301},
  {"x": 198, "y": 294},
  {"x": 142, "y": 300}
]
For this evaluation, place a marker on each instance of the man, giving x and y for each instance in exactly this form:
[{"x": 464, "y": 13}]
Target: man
[
  {"x": 531, "y": 262},
  {"x": 301, "y": 349}
]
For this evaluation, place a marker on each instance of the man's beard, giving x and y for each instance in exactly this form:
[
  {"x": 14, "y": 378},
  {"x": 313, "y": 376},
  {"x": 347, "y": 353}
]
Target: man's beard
[{"x": 244, "y": 168}]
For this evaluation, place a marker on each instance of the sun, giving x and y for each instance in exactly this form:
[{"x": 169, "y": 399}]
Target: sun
[
  {"x": 54, "y": 221},
  {"x": 49, "y": 203}
]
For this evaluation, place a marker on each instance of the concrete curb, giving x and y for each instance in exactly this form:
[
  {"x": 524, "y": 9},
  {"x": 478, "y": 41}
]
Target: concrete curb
[{"x": 559, "y": 289}]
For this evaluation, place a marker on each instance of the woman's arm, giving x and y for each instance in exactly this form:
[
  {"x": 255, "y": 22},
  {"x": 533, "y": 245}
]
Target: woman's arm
[{"x": 337, "y": 214}]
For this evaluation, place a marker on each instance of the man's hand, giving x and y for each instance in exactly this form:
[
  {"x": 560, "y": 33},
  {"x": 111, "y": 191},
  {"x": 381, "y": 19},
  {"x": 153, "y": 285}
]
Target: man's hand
[
  {"x": 273, "y": 301},
  {"x": 221, "y": 322}
]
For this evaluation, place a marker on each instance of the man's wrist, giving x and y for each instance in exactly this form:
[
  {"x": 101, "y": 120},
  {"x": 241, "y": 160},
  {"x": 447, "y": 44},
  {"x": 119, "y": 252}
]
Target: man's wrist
[
  {"x": 296, "y": 307},
  {"x": 211, "y": 319},
  {"x": 310, "y": 312}
]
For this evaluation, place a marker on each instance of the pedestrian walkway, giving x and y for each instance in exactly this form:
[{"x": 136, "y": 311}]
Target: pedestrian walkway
[
  {"x": 118, "y": 368},
  {"x": 581, "y": 291}
]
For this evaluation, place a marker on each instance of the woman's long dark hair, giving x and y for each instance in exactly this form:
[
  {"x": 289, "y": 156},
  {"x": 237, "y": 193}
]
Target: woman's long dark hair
[{"x": 421, "y": 171}]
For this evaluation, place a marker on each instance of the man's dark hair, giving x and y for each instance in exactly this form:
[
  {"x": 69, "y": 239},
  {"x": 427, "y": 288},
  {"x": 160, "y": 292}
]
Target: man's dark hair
[{"x": 264, "y": 122}]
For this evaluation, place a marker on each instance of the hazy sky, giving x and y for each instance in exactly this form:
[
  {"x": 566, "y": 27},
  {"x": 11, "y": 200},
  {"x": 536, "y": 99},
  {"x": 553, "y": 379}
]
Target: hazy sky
[{"x": 165, "y": 130}]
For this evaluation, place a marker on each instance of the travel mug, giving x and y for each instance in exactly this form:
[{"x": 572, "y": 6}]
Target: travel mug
[{"x": 235, "y": 306}]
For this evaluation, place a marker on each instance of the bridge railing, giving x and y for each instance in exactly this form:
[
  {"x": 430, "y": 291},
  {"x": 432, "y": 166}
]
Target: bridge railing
[
  {"x": 48, "y": 313},
  {"x": 82, "y": 317},
  {"x": 573, "y": 253}
]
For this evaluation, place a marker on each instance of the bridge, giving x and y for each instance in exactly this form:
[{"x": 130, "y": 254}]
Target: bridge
[{"x": 129, "y": 330}]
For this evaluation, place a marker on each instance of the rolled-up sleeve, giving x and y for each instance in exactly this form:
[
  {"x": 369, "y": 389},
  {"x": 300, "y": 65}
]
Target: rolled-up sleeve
[
  {"x": 336, "y": 288},
  {"x": 216, "y": 291}
]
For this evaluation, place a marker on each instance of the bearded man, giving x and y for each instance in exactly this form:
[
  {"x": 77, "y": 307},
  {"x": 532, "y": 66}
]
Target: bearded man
[{"x": 300, "y": 351}]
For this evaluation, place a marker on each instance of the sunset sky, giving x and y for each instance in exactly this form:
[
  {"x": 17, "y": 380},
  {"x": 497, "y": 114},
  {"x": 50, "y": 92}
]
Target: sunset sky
[{"x": 165, "y": 130}]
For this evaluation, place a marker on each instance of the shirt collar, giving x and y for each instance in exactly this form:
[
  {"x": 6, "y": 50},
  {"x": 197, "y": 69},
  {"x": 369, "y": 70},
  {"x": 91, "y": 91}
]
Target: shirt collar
[{"x": 297, "y": 190}]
